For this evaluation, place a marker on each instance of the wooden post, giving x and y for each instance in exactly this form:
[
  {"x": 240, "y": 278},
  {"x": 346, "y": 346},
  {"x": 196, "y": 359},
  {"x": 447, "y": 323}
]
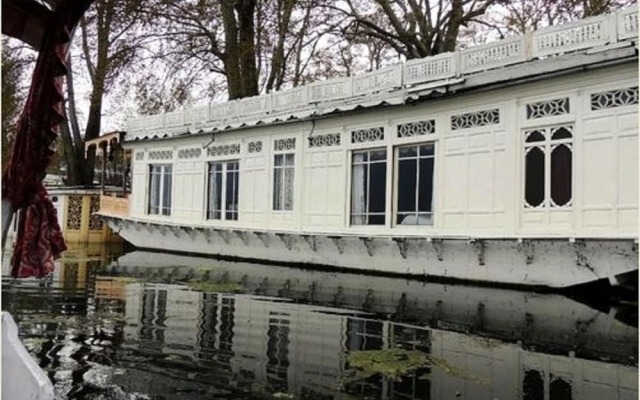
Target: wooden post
[{"x": 104, "y": 166}]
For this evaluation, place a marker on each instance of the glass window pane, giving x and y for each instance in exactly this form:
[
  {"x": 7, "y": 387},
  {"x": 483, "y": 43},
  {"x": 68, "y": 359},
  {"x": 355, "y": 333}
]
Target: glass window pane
[
  {"x": 213, "y": 190},
  {"x": 560, "y": 389},
  {"x": 425, "y": 191},
  {"x": 376, "y": 220},
  {"x": 426, "y": 150},
  {"x": 277, "y": 189},
  {"x": 359, "y": 157},
  {"x": 358, "y": 193},
  {"x": 532, "y": 385},
  {"x": 404, "y": 152},
  {"x": 407, "y": 175},
  {"x": 288, "y": 194},
  {"x": 289, "y": 159},
  {"x": 561, "y": 133},
  {"x": 377, "y": 155},
  {"x": 154, "y": 190},
  {"x": 534, "y": 177},
  {"x": 166, "y": 200},
  {"x": 534, "y": 136},
  {"x": 278, "y": 160},
  {"x": 377, "y": 187},
  {"x": 231, "y": 205},
  {"x": 561, "y": 173}
]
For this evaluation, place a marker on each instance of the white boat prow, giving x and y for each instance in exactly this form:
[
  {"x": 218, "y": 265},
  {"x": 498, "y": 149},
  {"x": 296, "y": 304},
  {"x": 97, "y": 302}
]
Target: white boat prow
[{"x": 22, "y": 378}]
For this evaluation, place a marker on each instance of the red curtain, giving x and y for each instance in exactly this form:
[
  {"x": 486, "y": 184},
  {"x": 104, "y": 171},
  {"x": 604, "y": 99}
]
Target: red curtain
[{"x": 39, "y": 238}]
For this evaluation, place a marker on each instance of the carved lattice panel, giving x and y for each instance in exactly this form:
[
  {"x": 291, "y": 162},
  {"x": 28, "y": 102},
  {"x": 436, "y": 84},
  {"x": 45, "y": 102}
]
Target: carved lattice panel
[
  {"x": 331, "y": 139},
  {"x": 614, "y": 98},
  {"x": 418, "y": 128},
  {"x": 95, "y": 222},
  {"x": 190, "y": 153},
  {"x": 223, "y": 150},
  {"x": 367, "y": 135},
  {"x": 255, "y": 147},
  {"x": 161, "y": 155},
  {"x": 139, "y": 155},
  {"x": 284, "y": 144},
  {"x": 548, "y": 108},
  {"x": 74, "y": 213},
  {"x": 475, "y": 119}
]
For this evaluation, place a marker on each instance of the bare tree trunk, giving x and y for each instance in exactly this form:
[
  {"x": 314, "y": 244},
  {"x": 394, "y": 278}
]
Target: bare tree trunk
[
  {"x": 276, "y": 76},
  {"x": 246, "y": 10},
  {"x": 239, "y": 57}
]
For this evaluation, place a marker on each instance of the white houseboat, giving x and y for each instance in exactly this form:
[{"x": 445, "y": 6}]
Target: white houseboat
[{"x": 514, "y": 163}]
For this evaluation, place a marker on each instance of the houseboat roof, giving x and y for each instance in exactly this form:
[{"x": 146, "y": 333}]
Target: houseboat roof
[{"x": 590, "y": 43}]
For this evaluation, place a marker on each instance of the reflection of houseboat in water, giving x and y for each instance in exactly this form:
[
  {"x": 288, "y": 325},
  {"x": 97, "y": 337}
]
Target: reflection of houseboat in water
[
  {"x": 513, "y": 162},
  {"x": 496, "y": 339}
]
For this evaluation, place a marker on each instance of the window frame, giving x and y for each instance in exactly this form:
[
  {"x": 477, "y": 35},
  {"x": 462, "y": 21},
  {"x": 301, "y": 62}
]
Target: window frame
[
  {"x": 223, "y": 194},
  {"x": 366, "y": 214},
  {"x": 282, "y": 170},
  {"x": 396, "y": 179},
  {"x": 161, "y": 189},
  {"x": 548, "y": 145}
]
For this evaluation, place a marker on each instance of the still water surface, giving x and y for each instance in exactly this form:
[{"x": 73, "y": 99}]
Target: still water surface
[{"x": 160, "y": 326}]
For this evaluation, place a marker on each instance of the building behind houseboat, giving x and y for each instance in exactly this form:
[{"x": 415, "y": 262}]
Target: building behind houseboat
[{"x": 514, "y": 162}]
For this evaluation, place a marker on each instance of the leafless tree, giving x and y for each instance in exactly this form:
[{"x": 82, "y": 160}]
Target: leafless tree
[{"x": 414, "y": 28}]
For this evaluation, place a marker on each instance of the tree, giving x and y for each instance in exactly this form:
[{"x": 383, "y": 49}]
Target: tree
[
  {"x": 254, "y": 45},
  {"x": 109, "y": 45},
  {"x": 414, "y": 28},
  {"x": 13, "y": 66},
  {"x": 527, "y": 15}
]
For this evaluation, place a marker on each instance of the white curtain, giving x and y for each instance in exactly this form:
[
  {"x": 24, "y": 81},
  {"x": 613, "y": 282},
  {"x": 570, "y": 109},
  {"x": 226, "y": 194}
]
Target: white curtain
[
  {"x": 154, "y": 191},
  {"x": 213, "y": 193},
  {"x": 288, "y": 188},
  {"x": 358, "y": 195}
]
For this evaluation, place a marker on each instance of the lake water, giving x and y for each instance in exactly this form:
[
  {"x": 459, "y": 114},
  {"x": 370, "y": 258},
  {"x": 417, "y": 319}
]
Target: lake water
[{"x": 161, "y": 326}]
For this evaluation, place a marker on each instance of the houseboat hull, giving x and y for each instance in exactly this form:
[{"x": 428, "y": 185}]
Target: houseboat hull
[{"x": 532, "y": 262}]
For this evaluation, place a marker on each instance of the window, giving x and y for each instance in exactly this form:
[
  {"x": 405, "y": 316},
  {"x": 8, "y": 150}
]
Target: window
[
  {"x": 415, "y": 185},
  {"x": 368, "y": 187},
  {"x": 222, "y": 199},
  {"x": 284, "y": 168},
  {"x": 160, "y": 189},
  {"x": 548, "y": 167}
]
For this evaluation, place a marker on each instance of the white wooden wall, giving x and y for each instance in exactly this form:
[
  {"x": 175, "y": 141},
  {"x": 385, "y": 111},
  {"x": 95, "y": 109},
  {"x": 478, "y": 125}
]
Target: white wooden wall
[{"x": 478, "y": 182}]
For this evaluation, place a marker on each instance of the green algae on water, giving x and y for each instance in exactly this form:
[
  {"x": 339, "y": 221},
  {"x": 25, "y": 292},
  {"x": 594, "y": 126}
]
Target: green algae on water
[
  {"x": 391, "y": 363},
  {"x": 396, "y": 363}
]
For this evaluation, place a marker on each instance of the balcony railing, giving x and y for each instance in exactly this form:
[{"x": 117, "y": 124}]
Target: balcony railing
[
  {"x": 114, "y": 205},
  {"x": 544, "y": 43}
]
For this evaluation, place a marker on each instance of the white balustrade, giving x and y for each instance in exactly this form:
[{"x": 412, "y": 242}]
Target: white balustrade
[
  {"x": 628, "y": 23},
  {"x": 493, "y": 55},
  {"x": 588, "y": 33},
  {"x": 441, "y": 66},
  {"x": 196, "y": 116},
  {"x": 136, "y": 124},
  {"x": 174, "y": 119},
  {"x": 380, "y": 80},
  {"x": 255, "y": 105},
  {"x": 579, "y": 35},
  {"x": 221, "y": 111},
  {"x": 154, "y": 122},
  {"x": 330, "y": 90},
  {"x": 290, "y": 99}
]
